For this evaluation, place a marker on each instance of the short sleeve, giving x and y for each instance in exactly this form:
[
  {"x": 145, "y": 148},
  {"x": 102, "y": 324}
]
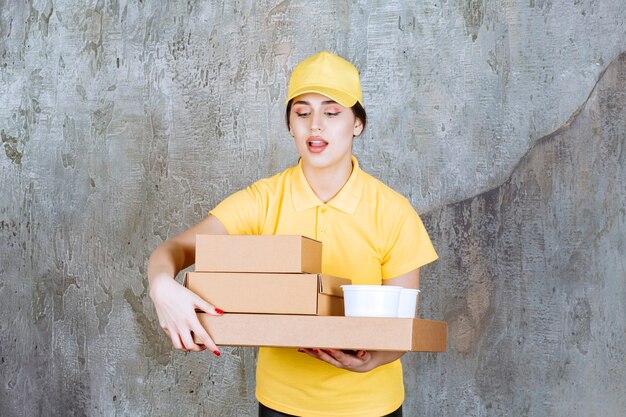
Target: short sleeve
[
  {"x": 409, "y": 245},
  {"x": 242, "y": 213}
]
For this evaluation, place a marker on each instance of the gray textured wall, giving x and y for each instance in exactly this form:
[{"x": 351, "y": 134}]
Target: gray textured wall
[{"x": 123, "y": 122}]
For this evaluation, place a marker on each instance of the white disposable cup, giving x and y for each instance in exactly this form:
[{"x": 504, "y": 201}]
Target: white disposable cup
[
  {"x": 407, "y": 305},
  {"x": 371, "y": 300}
]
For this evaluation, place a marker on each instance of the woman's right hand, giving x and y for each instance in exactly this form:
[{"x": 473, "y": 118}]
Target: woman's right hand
[
  {"x": 175, "y": 305},
  {"x": 176, "y": 308}
]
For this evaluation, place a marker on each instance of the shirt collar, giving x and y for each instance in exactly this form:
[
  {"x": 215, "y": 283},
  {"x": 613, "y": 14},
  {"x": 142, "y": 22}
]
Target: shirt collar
[{"x": 346, "y": 200}]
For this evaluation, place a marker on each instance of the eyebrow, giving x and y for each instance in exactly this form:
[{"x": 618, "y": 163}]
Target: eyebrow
[{"x": 325, "y": 102}]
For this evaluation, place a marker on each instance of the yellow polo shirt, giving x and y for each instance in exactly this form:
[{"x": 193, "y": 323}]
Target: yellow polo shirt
[{"x": 369, "y": 233}]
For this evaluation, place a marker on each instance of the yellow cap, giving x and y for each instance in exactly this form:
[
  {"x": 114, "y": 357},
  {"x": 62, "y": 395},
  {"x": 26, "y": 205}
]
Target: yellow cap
[{"x": 326, "y": 74}]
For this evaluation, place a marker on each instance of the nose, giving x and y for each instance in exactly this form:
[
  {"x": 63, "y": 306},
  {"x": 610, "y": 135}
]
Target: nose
[{"x": 316, "y": 122}]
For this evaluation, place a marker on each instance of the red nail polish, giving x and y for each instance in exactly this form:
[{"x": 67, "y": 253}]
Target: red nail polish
[
  {"x": 316, "y": 351},
  {"x": 216, "y": 352},
  {"x": 300, "y": 350},
  {"x": 219, "y": 311}
]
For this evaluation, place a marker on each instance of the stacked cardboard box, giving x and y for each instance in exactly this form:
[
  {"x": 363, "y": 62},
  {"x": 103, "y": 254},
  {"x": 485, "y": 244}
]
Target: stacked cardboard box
[
  {"x": 234, "y": 292},
  {"x": 273, "y": 294},
  {"x": 265, "y": 275}
]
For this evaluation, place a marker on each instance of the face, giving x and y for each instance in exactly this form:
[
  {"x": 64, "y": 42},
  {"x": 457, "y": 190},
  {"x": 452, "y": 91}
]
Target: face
[{"x": 323, "y": 130}]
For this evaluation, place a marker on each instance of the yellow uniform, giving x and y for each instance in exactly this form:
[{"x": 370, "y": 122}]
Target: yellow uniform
[{"x": 369, "y": 233}]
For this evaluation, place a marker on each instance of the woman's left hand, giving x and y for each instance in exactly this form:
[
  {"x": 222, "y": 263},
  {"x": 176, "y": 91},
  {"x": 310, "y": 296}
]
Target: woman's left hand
[{"x": 359, "y": 361}]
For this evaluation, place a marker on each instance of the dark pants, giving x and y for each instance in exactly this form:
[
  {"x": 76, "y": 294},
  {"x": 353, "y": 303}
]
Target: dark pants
[{"x": 268, "y": 412}]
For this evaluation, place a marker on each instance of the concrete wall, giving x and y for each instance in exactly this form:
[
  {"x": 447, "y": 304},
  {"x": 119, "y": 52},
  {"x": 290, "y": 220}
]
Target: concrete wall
[{"x": 122, "y": 123}]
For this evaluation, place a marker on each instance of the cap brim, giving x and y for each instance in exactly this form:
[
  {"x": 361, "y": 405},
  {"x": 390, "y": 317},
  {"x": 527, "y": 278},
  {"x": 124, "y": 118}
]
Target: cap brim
[{"x": 340, "y": 97}]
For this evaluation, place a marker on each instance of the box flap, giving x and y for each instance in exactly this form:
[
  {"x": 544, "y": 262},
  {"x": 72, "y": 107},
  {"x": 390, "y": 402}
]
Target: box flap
[
  {"x": 331, "y": 285},
  {"x": 329, "y": 305}
]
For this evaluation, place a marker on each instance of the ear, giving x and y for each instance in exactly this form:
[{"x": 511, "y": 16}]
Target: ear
[{"x": 358, "y": 126}]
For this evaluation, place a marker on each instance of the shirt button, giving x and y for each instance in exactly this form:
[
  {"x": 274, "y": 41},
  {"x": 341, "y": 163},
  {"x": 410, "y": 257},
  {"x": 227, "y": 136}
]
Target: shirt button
[{"x": 324, "y": 210}]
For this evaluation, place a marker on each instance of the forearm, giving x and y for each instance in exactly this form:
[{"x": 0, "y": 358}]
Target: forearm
[
  {"x": 380, "y": 357},
  {"x": 166, "y": 261},
  {"x": 177, "y": 253}
]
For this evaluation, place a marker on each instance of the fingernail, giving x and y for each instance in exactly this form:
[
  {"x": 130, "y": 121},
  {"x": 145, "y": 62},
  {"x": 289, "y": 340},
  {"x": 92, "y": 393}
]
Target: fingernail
[
  {"x": 300, "y": 350},
  {"x": 216, "y": 352},
  {"x": 219, "y": 311},
  {"x": 316, "y": 351}
]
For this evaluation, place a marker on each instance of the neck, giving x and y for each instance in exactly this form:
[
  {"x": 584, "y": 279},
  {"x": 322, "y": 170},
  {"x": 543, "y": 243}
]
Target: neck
[{"x": 326, "y": 182}]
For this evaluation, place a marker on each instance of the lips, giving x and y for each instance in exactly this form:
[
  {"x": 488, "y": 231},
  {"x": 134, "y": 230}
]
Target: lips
[{"x": 316, "y": 144}]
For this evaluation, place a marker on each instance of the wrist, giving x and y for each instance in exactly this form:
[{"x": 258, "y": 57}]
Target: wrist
[
  {"x": 375, "y": 360},
  {"x": 159, "y": 281}
]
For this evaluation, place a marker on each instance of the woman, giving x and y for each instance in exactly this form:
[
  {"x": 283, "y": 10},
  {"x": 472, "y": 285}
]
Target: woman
[{"x": 370, "y": 234}]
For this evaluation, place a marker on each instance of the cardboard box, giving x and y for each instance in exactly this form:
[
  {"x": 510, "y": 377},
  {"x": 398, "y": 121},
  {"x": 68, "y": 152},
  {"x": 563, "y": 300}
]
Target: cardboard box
[
  {"x": 270, "y": 293},
  {"x": 367, "y": 333},
  {"x": 258, "y": 253}
]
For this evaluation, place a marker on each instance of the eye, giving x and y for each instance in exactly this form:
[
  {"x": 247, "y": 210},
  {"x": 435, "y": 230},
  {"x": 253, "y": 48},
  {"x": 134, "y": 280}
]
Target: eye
[
  {"x": 332, "y": 111},
  {"x": 301, "y": 111}
]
